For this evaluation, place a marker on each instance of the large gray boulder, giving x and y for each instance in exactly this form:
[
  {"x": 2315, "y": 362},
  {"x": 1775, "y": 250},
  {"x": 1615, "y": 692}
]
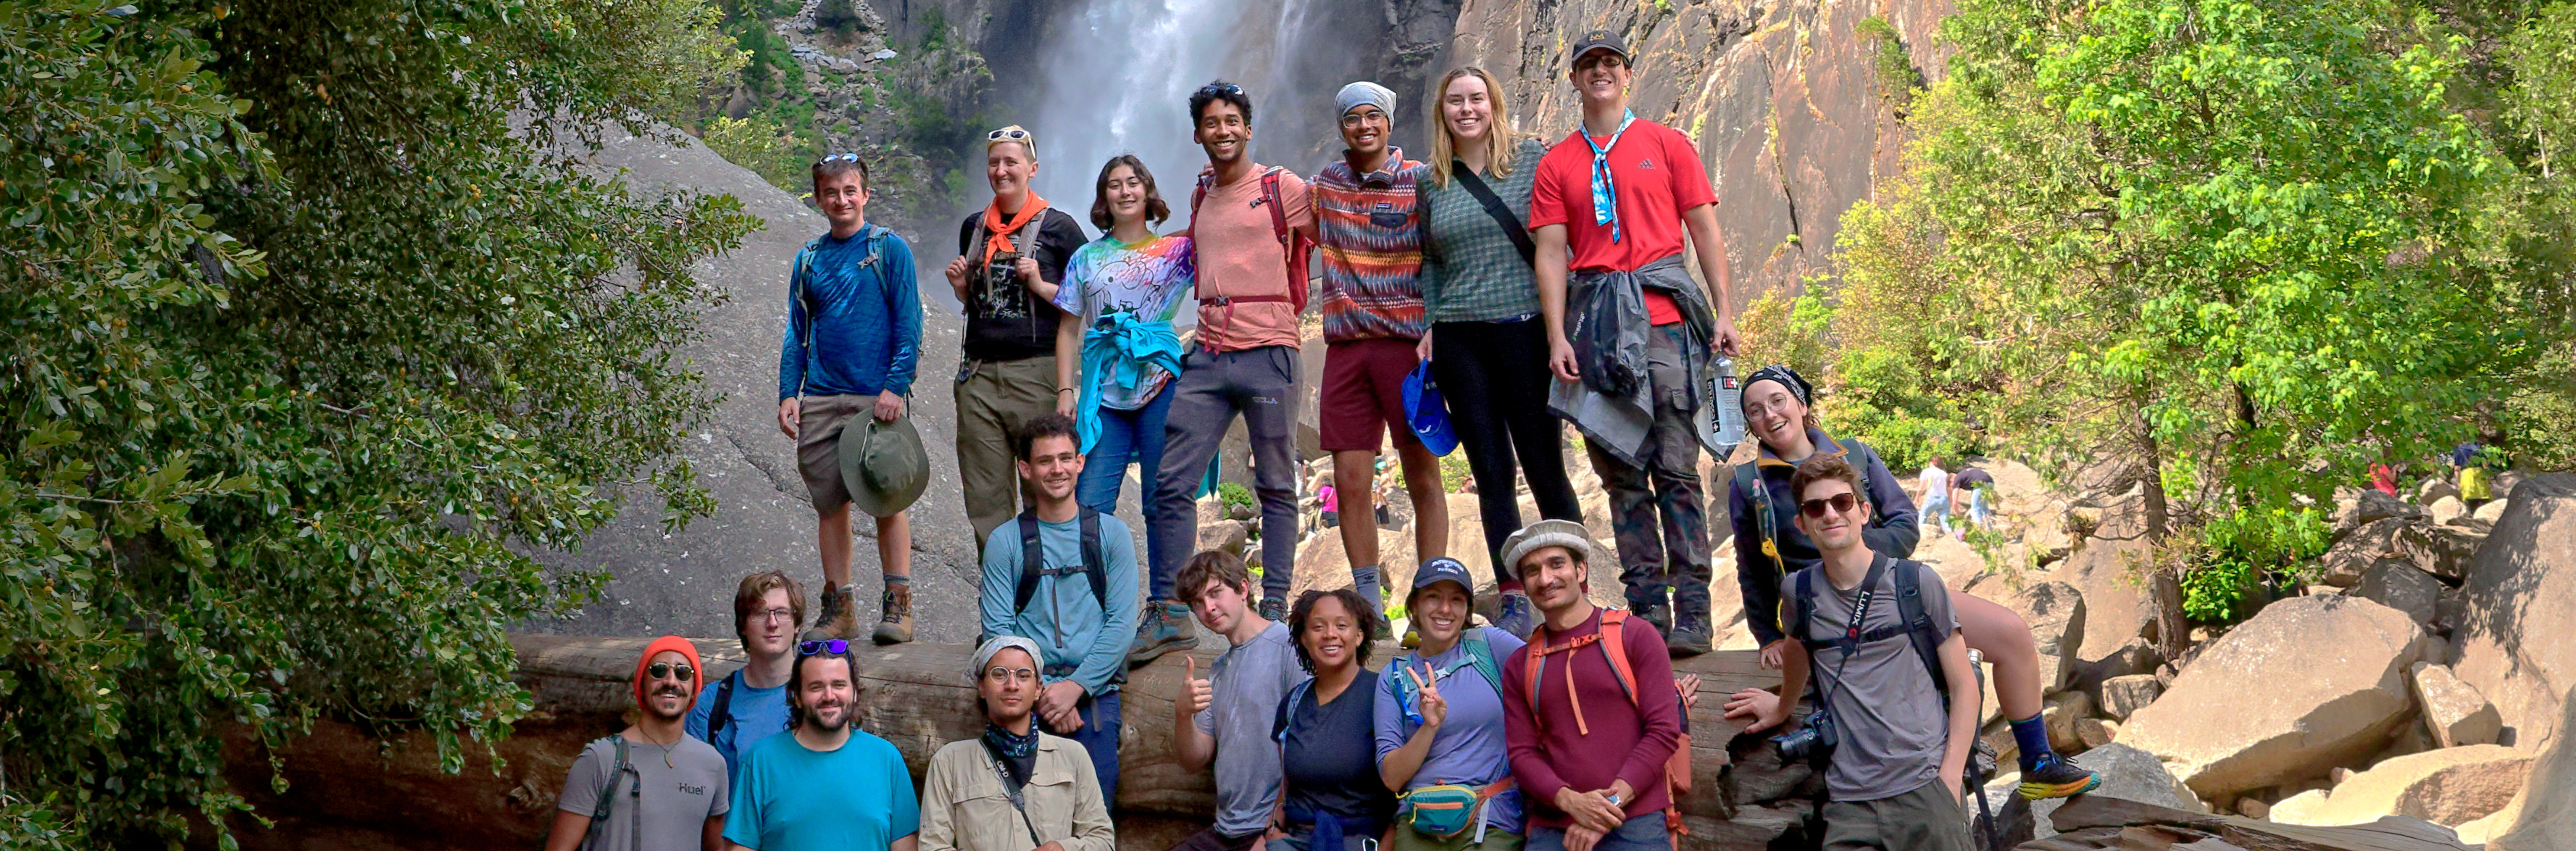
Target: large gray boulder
[
  {"x": 2546, "y": 817},
  {"x": 2307, "y": 684},
  {"x": 2399, "y": 585},
  {"x": 2055, "y": 611},
  {"x": 2117, "y": 607},
  {"x": 2127, "y": 773},
  {"x": 2512, "y": 632}
]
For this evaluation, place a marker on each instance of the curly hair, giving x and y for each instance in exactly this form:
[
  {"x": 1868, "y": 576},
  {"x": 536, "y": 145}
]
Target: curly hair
[{"x": 1352, "y": 602}]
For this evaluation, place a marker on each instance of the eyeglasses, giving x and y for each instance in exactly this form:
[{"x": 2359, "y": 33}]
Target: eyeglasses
[
  {"x": 659, "y": 670},
  {"x": 1842, "y": 504},
  {"x": 776, "y": 615},
  {"x": 1355, "y": 117},
  {"x": 835, "y": 647},
  {"x": 850, "y": 157},
  {"x": 1007, "y": 134},
  {"x": 1001, "y": 674}
]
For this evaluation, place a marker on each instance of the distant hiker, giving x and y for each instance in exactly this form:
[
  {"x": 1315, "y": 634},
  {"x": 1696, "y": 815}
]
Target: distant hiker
[
  {"x": 1769, "y": 544},
  {"x": 2477, "y": 482},
  {"x": 1125, "y": 288},
  {"x": 1014, "y": 788},
  {"x": 2383, "y": 478},
  {"x": 1979, "y": 486},
  {"x": 828, "y": 784},
  {"x": 1331, "y": 799},
  {"x": 1329, "y": 498},
  {"x": 1896, "y": 775},
  {"x": 1368, "y": 225},
  {"x": 651, "y": 787},
  {"x": 750, "y": 704},
  {"x": 1439, "y": 726},
  {"x": 1065, "y": 576},
  {"x": 1590, "y": 710},
  {"x": 1011, "y": 258},
  {"x": 1630, "y": 334},
  {"x": 853, "y": 340},
  {"x": 1227, "y": 717},
  {"x": 1250, "y": 227},
  {"x": 1487, "y": 344},
  {"x": 1936, "y": 496}
]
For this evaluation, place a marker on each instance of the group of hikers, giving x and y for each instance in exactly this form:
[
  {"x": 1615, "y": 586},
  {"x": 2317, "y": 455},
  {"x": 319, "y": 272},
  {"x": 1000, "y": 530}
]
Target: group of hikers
[{"x": 1542, "y": 284}]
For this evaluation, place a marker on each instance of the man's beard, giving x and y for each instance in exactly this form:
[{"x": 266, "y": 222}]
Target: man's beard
[
  {"x": 813, "y": 718},
  {"x": 653, "y": 707}
]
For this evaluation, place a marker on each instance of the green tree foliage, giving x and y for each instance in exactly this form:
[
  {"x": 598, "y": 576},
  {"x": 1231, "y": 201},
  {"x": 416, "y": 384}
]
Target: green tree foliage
[
  {"x": 2540, "y": 118},
  {"x": 759, "y": 144},
  {"x": 2242, "y": 247},
  {"x": 315, "y": 335}
]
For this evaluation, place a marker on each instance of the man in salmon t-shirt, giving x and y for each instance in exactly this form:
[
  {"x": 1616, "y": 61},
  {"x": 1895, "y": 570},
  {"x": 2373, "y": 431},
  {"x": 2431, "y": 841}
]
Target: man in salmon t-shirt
[
  {"x": 1250, "y": 227},
  {"x": 1630, "y": 334}
]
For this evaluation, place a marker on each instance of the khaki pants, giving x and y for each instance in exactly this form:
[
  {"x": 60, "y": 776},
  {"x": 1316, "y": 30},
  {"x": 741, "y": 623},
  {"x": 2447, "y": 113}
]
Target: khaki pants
[{"x": 993, "y": 399}]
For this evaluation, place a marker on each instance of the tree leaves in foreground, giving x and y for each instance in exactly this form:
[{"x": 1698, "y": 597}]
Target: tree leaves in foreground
[
  {"x": 2248, "y": 248},
  {"x": 308, "y": 349}
]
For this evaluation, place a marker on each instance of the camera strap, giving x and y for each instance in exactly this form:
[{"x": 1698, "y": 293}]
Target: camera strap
[{"x": 1849, "y": 642}]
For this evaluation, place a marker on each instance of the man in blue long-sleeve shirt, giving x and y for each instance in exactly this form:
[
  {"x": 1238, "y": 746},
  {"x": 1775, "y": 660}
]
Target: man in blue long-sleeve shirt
[
  {"x": 853, "y": 339},
  {"x": 1082, "y": 627}
]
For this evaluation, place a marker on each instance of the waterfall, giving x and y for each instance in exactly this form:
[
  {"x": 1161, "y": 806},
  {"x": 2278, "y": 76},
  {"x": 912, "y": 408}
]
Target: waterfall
[{"x": 1116, "y": 77}]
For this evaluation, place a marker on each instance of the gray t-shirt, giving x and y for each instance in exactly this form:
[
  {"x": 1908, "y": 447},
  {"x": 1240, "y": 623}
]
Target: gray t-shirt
[
  {"x": 1892, "y": 721},
  {"x": 1249, "y": 681},
  {"x": 678, "y": 795}
]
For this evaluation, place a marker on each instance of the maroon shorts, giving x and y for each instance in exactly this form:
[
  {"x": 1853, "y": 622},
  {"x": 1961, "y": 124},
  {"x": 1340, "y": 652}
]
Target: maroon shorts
[{"x": 1363, "y": 394}]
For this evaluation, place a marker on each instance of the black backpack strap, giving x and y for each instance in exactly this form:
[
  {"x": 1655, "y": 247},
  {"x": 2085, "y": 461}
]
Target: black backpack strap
[
  {"x": 1503, "y": 216},
  {"x": 1032, "y": 561},
  {"x": 722, "y": 711},
  {"x": 1095, "y": 560},
  {"x": 1802, "y": 607},
  {"x": 1909, "y": 607}
]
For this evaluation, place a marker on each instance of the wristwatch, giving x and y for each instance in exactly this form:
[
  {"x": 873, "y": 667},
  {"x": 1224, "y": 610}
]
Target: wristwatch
[{"x": 1612, "y": 796}]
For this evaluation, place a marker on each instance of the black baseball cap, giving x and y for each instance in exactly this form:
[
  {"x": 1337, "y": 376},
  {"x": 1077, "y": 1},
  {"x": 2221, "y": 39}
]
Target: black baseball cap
[{"x": 1598, "y": 40}]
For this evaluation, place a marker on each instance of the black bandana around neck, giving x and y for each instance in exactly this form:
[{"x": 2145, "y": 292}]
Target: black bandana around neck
[{"x": 1018, "y": 754}]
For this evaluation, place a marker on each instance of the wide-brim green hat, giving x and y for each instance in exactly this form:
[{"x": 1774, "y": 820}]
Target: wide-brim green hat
[{"x": 883, "y": 465}]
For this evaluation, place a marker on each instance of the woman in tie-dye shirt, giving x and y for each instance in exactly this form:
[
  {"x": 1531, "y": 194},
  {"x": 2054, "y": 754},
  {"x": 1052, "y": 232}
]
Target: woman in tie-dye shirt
[{"x": 1126, "y": 286}]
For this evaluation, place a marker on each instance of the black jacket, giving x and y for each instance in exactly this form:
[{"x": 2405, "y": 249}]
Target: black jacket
[{"x": 1893, "y": 529}]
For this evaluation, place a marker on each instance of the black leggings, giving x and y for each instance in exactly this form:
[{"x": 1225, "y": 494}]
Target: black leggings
[{"x": 1494, "y": 376}]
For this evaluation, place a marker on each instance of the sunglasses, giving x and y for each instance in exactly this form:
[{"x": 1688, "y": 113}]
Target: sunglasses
[
  {"x": 1220, "y": 89},
  {"x": 1842, "y": 504},
  {"x": 850, "y": 157},
  {"x": 659, "y": 670},
  {"x": 835, "y": 647},
  {"x": 1007, "y": 134}
]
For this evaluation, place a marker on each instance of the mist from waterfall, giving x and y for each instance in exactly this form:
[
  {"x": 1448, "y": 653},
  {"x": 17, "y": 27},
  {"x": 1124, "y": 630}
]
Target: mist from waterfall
[{"x": 1117, "y": 77}]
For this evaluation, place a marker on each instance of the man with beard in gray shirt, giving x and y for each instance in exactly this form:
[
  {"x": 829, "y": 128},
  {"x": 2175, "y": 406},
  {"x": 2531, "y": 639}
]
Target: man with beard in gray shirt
[{"x": 1894, "y": 777}]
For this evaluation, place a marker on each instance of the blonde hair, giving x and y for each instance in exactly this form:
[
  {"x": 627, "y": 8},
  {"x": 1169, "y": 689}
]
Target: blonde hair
[{"x": 1498, "y": 139}]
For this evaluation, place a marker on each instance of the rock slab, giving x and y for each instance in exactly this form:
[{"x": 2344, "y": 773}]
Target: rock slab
[
  {"x": 2454, "y": 712},
  {"x": 2124, "y": 696},
  {"x": 2512, "y": 629},
  {"x": 2307, "y": 684},
  {"x": 2447, "y": 787}
]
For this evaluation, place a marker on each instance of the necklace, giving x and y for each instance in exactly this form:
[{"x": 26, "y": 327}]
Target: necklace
[{"x": 666, "y": 749}]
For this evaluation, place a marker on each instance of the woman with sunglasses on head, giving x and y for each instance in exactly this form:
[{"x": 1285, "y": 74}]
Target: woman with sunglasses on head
[
  {"x": 1015, "y": 787},
  {"x": 1487, "y": 346},
  {"x": 1778, "y": 411},
  {"x": 1124, "y": 289},
  {"x": 1330, "y": 798}
]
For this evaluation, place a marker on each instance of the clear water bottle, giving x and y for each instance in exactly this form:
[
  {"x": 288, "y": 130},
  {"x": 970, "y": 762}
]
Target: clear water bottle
[{"x": 1728, "y": 392}]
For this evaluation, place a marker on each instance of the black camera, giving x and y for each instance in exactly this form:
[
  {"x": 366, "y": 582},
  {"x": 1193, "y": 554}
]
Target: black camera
[{"x": 1813, "y": 742}]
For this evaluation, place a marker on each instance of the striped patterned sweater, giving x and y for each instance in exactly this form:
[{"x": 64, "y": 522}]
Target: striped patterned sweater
[{"x": 1370, "y": 229}]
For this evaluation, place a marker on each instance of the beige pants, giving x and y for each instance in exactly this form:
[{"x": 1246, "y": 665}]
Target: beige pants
[{"x": 993, "y": 399}]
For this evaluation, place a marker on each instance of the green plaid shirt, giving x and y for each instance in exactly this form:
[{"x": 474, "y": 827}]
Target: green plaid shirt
[{"x": 1470, "y": 270}]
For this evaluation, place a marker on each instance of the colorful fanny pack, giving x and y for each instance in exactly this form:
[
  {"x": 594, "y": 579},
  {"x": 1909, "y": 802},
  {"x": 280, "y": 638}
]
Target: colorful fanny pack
[{"x": 1447, "y": 810}]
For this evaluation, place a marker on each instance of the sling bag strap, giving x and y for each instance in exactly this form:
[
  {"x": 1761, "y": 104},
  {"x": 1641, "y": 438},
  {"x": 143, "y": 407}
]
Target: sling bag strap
[
  {"x": 618, "y": 770},
  {"x": 1019, "y": 799},
  {"x": 1512, "y": 226}
]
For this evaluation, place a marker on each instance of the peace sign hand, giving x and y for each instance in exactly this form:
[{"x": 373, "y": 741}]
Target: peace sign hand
[{"x": 1434, "y": 709}]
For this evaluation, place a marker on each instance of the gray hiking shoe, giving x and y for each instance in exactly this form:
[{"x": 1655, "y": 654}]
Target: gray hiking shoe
[
  {"x": 1517, "y": 615},
  {"x": 1163, "y": 627},
  {"x": 896, "y": 627}
]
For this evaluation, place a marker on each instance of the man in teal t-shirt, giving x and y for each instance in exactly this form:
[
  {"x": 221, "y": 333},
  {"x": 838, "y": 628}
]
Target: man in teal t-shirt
[{"x": 824, "y": 786}]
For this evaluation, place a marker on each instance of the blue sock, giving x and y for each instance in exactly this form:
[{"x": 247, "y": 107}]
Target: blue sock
[{"x": 2031, "y": 735}]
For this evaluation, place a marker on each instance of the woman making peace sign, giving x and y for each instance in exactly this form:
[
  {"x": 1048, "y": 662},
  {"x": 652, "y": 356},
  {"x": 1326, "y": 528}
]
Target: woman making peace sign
[{"x": 1440, "y": 724}]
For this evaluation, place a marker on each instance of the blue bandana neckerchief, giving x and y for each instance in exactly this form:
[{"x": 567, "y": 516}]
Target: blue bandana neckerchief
[{"x": 1605, "y": 199}]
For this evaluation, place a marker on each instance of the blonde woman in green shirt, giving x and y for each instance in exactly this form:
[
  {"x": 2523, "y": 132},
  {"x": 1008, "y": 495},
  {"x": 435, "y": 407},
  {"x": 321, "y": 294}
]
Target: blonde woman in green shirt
[{"x": 1487, "y": 345}]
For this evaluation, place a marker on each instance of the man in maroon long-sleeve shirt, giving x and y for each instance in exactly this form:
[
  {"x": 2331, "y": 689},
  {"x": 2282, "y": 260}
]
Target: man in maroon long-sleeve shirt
[{"x": 1589, "y": 760}]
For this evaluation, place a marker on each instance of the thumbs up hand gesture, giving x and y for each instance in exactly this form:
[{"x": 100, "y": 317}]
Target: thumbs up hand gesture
[{"x": 1201, "y": 693}]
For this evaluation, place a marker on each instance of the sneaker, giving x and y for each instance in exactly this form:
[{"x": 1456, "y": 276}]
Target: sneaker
[
  {"x": 1274, "y": 609},
  {"x": 1163, "y": 627},
  {"x": 1517, "y": 615},
  {"x": 1659, "y": 615},
  {"x": 896, "y": 627},
  {"x": 2057, "y": 778},
  {"x": 839, "y": 617}
]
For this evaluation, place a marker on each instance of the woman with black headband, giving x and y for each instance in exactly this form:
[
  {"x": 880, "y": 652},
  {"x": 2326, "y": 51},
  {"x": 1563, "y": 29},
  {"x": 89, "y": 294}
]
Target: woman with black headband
[{"x": 1778, "y": 412}]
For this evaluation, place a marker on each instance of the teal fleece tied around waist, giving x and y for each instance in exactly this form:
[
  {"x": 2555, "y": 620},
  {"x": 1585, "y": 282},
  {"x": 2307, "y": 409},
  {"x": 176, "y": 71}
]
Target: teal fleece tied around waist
[{"x": 1120, "y": 348}]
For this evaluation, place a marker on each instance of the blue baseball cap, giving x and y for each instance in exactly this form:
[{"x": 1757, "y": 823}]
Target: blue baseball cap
[{"x": 1444, "y": 569}]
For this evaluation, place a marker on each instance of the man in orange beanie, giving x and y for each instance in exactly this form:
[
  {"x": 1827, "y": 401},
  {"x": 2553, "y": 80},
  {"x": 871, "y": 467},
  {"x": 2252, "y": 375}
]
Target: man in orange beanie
[{"x": 650, "y": 787}]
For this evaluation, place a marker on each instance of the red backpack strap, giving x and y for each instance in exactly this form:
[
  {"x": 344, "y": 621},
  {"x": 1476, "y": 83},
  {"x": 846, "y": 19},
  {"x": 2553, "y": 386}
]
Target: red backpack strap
[
  {"x": 1537, "y": 662},
  {"x": 1614, "y": 646},
  {"x": 1290, "y": 243}
]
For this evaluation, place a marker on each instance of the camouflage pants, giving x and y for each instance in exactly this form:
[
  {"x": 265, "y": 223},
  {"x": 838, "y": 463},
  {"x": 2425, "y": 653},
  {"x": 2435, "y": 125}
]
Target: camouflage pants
[{"x": 1670, "y": 557}]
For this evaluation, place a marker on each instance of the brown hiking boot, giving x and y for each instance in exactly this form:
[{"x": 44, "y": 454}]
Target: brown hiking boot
[
  {"x": 839, "y": 617},
  {"x": 896, "y": 627}
]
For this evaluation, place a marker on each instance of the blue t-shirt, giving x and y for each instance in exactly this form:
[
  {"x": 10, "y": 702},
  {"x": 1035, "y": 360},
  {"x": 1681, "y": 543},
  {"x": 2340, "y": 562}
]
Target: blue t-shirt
[
  {"x": 1469, "y": 748},
  {"x": 756, "y": 714},
  {"x": 788, "y": 798},
  {"x": 853, "y": 317}
]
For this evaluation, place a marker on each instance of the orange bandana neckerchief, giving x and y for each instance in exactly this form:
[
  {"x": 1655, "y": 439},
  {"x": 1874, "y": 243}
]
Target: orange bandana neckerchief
[{"x": 1000, "y": 241}]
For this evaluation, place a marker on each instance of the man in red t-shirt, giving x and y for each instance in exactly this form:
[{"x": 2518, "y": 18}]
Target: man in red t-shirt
[{"x": 1630, "y": 334}]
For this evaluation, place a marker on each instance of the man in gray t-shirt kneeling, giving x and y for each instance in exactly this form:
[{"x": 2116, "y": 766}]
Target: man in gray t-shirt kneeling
[
  {"x": 1894, "y": 777},
  {"x": 1227, "y": 717},
  {"x": 651, "y": 787}
]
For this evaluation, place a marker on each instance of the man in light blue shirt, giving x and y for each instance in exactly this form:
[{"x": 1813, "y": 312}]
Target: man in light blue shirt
[
  {"x": 738, "y": 710},
  {"x": 1078, "y": 602},
  {"x": 826, "y": 786}
]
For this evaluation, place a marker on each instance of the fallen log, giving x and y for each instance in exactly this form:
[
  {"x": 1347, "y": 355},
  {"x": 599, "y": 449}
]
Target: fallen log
[
  {"x": 2091, "y": 823},
  {"x": 916, "y": 696}
]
